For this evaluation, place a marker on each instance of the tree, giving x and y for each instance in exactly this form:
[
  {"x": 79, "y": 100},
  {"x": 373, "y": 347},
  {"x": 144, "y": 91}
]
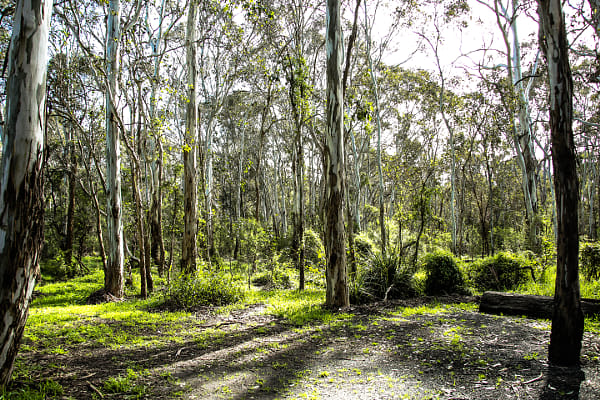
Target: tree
[
  {"x": 21, "y": 192},
  {"x": 567, "y": 318},
  {"x": 517, "y": 98},
  {"x": 336, "y": 276},
  {"x": 188, "y": 249},
  {"x": 113, "y": 280}
]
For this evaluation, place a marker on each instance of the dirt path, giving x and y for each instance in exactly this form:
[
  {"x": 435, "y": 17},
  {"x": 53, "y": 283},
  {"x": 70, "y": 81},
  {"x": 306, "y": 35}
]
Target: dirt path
[{"x": 382, "y": 351}]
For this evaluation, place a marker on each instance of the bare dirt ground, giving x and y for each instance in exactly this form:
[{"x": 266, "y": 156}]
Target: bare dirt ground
[{"x": 392, "y": 350}]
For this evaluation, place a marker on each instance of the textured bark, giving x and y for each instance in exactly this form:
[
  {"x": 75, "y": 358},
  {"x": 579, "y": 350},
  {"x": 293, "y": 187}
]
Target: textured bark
[
  {"x": 190, "y": 196},
  {"x": 529, "y": 305},
  {"x": 113, "y": 281},
  {"x": 21, "y": 185},
  {"x": 336, "y": 276},
  {"x": 567, "y": 319}
]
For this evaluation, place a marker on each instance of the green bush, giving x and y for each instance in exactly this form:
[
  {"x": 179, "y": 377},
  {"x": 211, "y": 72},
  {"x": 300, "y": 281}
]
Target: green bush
[
  {"x": 383, "y": 278},
  {"x": 589, "y": 256},
  {"x": 314, "y": 252},
  {"x": 442, "y": 274},
  {"x": 504, "y": 271},
  {"x": 194, "y": 290},
  {"x": 363, "y": 246}
]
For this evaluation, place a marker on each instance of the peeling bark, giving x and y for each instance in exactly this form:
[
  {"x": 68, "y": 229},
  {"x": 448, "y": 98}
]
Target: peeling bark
[
  {"x": 21, "y": 185},
  {"x": 337, "y": 294}
]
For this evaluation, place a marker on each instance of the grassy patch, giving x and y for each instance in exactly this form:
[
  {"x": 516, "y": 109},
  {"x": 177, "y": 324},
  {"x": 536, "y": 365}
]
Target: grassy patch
[{"x": 297, "y": 307}]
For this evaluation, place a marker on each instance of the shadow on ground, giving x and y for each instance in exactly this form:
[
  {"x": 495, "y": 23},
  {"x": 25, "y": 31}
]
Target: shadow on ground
[{"x": 384, "y": 351}]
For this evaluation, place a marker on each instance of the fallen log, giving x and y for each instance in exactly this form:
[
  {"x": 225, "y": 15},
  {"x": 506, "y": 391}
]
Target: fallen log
[{"x": 528, "y": 305}]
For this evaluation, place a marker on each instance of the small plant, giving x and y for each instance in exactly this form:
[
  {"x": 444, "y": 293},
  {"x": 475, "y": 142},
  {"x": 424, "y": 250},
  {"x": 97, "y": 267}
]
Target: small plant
[
  {"x": 442, "y": 274},
  {"x": 214, "y": 289},
  {"x": 590, "y": 260}
]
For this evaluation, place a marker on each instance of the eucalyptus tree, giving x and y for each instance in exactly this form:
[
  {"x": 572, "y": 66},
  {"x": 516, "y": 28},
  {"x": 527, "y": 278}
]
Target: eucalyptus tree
[
  {"x": 21, "y": 188},
  {"x": 567, "y": 318},
  {"x": 337, "y": 294},
  {"x": 517, "y": 98},
  {"x": 190, "y": 146},
  {"x": 159, "y": 23}
]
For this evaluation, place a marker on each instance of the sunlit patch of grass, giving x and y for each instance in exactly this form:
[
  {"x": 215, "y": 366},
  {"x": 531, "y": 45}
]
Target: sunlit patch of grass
[
  {"x": 434, "y": 309},
  {"x": 297, "y": 307},
  {"x": 592, "y": 325},
  {"x": 127, "y": 384},
  {"x": 59, "y": 318},
  {"x": 43, "y": 390}
]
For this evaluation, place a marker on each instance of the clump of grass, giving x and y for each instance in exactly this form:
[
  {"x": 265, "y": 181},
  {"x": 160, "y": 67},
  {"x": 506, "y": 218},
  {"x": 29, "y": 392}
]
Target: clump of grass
[
  {"x": 47, "y": 389},
  {"x": 194, "y": 290},
  {"x": 126, "y": 384}
]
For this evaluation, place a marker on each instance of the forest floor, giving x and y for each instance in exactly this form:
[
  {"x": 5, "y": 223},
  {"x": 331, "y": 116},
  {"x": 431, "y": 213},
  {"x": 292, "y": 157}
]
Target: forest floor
[{"x": 426, "y": 348}]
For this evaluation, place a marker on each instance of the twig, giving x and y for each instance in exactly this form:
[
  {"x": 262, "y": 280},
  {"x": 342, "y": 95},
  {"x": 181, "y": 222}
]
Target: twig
[
  {"x": 534, "y": 379},
  {"x": 95, "y": 389}
]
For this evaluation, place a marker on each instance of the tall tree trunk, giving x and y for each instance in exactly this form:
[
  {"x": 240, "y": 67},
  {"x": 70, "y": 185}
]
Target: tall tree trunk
[
  {"x": 113, "y": 281},
  {"x": 139, "y": 222},
  {"x": 156, "y": 154},
  {"x": 21, "y": 187},
  {"x": 567, "y": 318},
  {"x": 336, "y": 275},
  {"x": 71, "y": 203},
  {"x": 188, "y": 247},
  {"x": 378, "y": 116}
]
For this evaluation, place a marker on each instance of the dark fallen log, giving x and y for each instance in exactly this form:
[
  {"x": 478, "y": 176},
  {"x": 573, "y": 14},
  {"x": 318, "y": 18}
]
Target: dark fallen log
[{"x": 528, "y": 305}]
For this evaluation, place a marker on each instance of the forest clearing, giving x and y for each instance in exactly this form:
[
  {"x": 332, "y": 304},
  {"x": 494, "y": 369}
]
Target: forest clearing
[
  {"x": 281, "y": 344},
  {"x": 299, "y": 199}
]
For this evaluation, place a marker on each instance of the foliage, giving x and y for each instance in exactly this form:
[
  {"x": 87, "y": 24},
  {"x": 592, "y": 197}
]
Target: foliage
[
  {"x": 314, "y": 252},
  {"x": 383, "y": 278},
  {"x": 443, "y": 276},
  {"x": 364, "y": 246},
  {"x": 589, "y": 256},
  {"x": 504, "y": 271},
  {"x": 276, "y": 278},
  {"x": 211, "y": 289}
]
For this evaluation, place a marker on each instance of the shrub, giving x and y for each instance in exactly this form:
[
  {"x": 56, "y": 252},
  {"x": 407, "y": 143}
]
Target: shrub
[
  {"x": 383, "y": 278},
  {"x": 590, "y": 260},
  {"x": 314, "y": 252},
  {"x": 194, "y": 290},
  {"x": 504, "y": 271},
  {"x": 442, "y": 274},
  {"x": 363, "y": 246}
]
